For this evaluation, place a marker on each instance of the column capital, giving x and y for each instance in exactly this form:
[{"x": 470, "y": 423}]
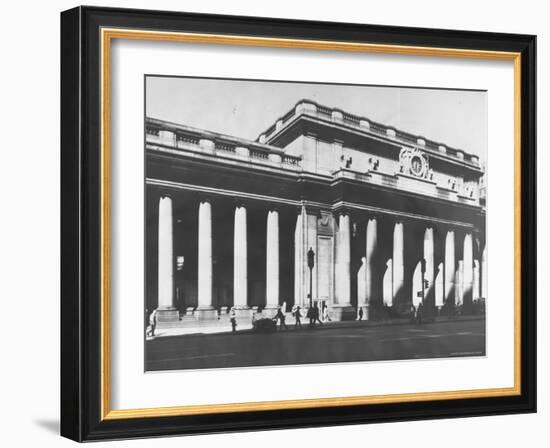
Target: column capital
[
  {"x": 343, "y": 210},
  {"x": 206, "y": 197},
  {"x": 449, "y": 228},
  {"x": 239, "y": 202}
]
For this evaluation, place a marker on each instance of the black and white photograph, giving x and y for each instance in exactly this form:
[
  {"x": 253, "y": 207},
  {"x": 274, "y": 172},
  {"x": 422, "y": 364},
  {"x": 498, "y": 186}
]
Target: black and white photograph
[
  {"x": 293, "y": 223},
  {"x": 279, "y": 221}
]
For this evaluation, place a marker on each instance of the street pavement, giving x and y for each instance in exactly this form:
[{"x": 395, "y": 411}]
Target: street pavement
[{"x": 323, "y": 344}]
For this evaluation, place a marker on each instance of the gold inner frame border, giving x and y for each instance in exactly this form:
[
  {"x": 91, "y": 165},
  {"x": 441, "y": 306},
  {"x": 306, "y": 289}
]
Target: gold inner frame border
[{"x": 107, "y": 36}]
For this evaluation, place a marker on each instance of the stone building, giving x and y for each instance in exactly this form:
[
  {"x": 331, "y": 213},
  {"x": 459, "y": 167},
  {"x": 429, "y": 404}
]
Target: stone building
[{"x": 393, "y": 218}]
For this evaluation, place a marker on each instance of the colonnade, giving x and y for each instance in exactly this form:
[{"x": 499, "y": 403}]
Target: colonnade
[
  {"x": 205, "y": 302},
  {"x": 380, "y": 278}
]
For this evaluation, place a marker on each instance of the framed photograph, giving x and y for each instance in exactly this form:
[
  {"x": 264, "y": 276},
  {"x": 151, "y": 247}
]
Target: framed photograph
[{"x": 276, "y": 224}]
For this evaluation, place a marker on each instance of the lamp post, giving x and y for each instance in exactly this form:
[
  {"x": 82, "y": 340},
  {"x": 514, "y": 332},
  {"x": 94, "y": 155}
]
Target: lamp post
[
  {"x": 180, "y": 260},
  {"x": 310, "y": 265}
]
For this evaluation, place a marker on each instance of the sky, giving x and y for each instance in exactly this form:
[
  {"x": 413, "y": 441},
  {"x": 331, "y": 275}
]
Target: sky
[{"x": 245, "y": 109}]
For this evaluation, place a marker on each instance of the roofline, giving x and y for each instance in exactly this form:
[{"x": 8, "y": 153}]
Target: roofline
[
  {"x": 170, "y": 125},
  {"x": 291, "y": 112}
]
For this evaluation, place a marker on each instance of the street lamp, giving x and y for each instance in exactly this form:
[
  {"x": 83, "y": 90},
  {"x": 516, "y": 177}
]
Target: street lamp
[
  {"x": 179, "y": 262},
  {"x": 310, "y": 265}
]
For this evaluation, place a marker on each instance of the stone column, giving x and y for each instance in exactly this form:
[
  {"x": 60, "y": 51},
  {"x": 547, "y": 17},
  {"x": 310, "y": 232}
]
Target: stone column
[
  {"x": 166, "y": 310},
  {"x": 299, "y": 261},
  {"x": 343, "y": 261},
  {"x": 459, "y": 284},
  {"x": 310, "y": 241},
  {"x": 429, "y": 257},
  {"x": 387, "y": 284},
  {"x": 398, "y": 264},
  {"x": 468, "y": 276},
  {"x": 483, "y": 274},
  {"x": 342, "y": 309},
  {"x": 205, "y": 310},
  {"x": 272, "y": 260},
  {"x": 450, "y": 266},
  {"x": 240, "y": 273},
  {"x": 371, "y": 245},
  {"x": 439, "y": 286},
  {"x": 476, "y": 283},
  {"x": 362, "y": 286}
]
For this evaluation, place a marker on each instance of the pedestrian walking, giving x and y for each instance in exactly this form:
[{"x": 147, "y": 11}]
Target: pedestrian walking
[
  {"x": 360, "y": 314},
  {"x": 152, "y": 323},
  {"x": 281, "y": 316},
  {"x": 298, "y": 317},
  {"x": 316, "y": 315},
  {"x": 310, "y": 316},
  {"x": 326, "y": 316},
  {"x": 419, "y": 312},
  {"x": 233, "y": 319}
]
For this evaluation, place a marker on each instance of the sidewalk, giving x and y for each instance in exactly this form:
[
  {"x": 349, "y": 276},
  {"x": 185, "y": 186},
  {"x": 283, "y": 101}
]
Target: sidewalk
[{"x": 245, "y": 325}]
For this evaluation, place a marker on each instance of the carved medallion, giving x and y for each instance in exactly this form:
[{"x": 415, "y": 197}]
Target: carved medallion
[{"x": 414, "y": 162}]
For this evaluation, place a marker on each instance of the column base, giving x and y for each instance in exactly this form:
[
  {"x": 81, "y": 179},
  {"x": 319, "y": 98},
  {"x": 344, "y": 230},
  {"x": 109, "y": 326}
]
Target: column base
[
  {"x": 242, "y": 312},
  {"x": 167, "y": 315},
  {"x": 206, "y": 313},
  {"x": 343, "y": 312},
  {"x": 270, "y": 311}
]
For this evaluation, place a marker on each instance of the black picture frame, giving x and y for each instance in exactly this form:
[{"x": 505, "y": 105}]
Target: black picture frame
[{"x": 81, "y": 209}]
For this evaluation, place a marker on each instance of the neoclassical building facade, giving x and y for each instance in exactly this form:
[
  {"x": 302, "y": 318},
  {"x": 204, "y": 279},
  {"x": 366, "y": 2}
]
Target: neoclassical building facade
[{"x": 393, "y": 219}]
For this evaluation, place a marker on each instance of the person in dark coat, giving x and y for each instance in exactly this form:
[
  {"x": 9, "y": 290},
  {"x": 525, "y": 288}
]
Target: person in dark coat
[
  {"x": 310, "y": 316},
  {"x": 316, "y": 315},
  {"x": 233, "y": 318},
  {"x": 281, "y": 316},
  {"x": 419, "y": 312}
]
